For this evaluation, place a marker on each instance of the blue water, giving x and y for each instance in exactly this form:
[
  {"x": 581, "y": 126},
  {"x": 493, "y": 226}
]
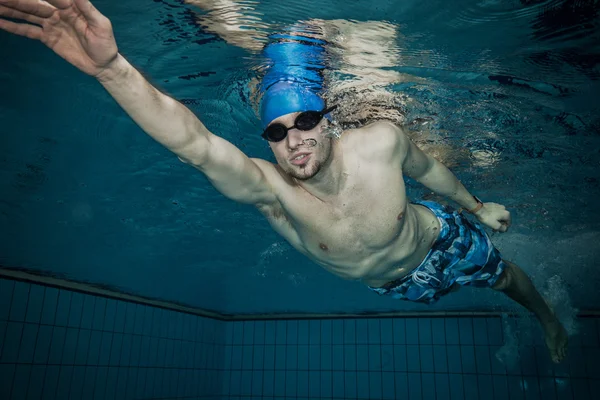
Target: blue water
[{"x": 505, "y": 92}]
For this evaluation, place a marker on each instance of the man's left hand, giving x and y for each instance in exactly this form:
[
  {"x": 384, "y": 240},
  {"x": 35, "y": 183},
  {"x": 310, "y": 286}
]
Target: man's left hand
[{"x": 495, "y": 216}]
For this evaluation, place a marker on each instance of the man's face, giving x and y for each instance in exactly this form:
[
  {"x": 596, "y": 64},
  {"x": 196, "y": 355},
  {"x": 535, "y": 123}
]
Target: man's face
[{"x": 301, "y": 154}]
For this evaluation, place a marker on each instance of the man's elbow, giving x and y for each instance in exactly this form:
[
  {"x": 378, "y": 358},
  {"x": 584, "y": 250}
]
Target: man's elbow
[{"x": 420, "y": 173}]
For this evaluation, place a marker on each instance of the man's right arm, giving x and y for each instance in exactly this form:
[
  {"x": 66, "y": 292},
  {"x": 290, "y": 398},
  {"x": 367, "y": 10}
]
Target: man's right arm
[
  {"x": 79, "y": 33},
  {"x": 174, "y": 126}
]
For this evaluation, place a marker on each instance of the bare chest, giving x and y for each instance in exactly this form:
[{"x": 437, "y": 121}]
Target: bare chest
[{"x": 350, "y": 233}]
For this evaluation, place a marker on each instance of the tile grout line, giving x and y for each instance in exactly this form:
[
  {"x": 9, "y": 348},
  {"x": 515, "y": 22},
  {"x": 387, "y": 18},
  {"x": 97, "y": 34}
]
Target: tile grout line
[
  {"x": 36, "y": 336},
  {"x": 7, "y": 320},
  {"x": 77, "y": 343},
  {"x": 51, "y": 336},
  {"x": 65, "y": 339},
  {"x": 21, "y": 339}
]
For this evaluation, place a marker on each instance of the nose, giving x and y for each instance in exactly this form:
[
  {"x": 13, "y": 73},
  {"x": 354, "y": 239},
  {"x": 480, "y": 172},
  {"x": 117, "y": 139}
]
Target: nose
[{"x": 294, "y": 138}]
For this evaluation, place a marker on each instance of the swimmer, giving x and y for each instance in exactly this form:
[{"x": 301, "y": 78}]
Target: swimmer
[{"x": 341, "y": 202}]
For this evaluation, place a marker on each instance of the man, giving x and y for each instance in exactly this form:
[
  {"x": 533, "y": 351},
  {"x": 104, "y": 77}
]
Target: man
[{"x": 340, "y": 201}]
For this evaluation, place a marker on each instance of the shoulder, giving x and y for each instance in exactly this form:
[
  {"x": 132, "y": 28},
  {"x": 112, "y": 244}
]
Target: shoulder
[
  {"x": 278, "y": 180},
  {"x": 381, "y": 139},
  {"x": 264, "y": 165},
  {"x": 272, "y": 172},
  {"x": 280, "y": 184}
]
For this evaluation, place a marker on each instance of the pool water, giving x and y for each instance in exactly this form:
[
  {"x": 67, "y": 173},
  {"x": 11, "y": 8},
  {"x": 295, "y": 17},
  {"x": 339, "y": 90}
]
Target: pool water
[{"x": 504, "y": 92}]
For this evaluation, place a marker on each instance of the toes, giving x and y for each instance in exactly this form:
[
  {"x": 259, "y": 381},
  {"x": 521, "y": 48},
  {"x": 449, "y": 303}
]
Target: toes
[
  {"x": 554, "y": 355},
  {"x": 559, "y": 354}
]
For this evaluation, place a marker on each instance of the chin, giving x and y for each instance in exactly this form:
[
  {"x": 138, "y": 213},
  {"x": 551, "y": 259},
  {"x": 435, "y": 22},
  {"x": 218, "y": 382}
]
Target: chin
[{"x": 304, "y": 173}]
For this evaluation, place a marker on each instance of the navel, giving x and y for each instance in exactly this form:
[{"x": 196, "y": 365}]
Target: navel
[{"x": 323, "y": 246}]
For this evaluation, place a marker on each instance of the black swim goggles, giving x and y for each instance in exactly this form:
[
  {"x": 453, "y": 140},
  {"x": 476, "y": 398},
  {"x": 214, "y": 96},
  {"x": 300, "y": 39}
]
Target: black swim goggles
[{"x": 305, "y": 121}]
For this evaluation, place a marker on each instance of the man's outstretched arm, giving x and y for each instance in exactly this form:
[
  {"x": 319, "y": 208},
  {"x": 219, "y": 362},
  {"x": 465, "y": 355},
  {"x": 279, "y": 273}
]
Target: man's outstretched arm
[
  {"x": 174, "y": 126},
  {"x": 80, "y": 34}
]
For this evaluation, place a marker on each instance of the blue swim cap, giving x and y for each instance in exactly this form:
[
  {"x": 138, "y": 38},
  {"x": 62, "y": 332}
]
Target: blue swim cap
[
  {"x": 288, "y": 97},
  {"x": 294, "y": 75}
]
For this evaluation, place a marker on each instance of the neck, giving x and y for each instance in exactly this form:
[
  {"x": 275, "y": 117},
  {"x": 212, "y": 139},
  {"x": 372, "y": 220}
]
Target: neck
[{"x": 331, "y": 179}]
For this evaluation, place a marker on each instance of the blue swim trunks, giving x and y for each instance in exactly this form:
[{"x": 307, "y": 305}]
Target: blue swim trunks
[{"x": 462, "y": 253}]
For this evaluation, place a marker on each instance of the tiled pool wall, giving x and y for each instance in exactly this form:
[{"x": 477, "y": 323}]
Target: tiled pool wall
[
  {"x": 60, "y": 344},
  {"x": 57, "y": 344},
  {"x": 406, "y": 358}
]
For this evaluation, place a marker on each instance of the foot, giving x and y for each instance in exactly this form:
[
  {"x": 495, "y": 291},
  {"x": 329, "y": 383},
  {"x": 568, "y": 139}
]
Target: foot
[{"x": 556, "y": 340}]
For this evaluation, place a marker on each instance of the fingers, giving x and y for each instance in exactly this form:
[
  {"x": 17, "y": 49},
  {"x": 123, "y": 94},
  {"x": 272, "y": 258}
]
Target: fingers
[
  {"x": 506, "y": 218},
  {"x": 27, "y": 30},
  {"x": 498, "y": 226},
  {"x": 62, "y": 4},
  {"x": 34, "y": 7},
  {"x": 91, "y": 14},
  {"x": 500, "y": 218},
  {"x": 15, "y": 14},
  {"x": 504, "y": 221}
]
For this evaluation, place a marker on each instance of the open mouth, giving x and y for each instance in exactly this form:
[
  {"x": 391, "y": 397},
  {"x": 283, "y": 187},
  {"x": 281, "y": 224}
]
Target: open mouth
[{"x": 300, "y": 159}]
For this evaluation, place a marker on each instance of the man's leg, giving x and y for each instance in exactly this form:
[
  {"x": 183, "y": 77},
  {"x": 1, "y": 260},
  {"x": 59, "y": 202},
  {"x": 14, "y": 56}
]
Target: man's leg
[{"x": 517, "y": 285}]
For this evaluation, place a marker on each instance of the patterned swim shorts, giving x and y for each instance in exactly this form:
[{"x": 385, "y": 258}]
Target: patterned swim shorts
[{"x": 462, "y": 253}]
